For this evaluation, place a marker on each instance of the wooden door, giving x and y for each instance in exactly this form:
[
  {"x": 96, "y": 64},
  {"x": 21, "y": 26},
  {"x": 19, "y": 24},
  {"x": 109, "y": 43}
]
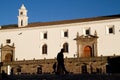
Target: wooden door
[
  {"x": 8, "y": 57},
  {"x": 87, "y": 51}
]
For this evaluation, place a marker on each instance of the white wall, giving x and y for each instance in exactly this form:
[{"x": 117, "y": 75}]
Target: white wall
[{"x": 28, "y": 41}]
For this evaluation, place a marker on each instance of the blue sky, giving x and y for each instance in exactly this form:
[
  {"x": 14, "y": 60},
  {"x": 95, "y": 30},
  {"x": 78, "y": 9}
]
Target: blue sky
[{"x": 54, "y": 10}]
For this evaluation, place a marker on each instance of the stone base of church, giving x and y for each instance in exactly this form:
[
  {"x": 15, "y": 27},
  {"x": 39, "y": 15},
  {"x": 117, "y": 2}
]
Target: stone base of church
[{"x": 73, "y": 65}]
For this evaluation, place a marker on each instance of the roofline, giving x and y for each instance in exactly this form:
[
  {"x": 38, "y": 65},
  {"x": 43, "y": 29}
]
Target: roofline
[
  {"x": 75, "y": 20},
  {"x": 36, "y": 24}
]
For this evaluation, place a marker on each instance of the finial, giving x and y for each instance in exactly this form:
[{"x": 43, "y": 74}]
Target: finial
[
  {"x": 77, "y": 34},
  {"x": 23, "y": 7},
  {"x": 95, "y": 33}
]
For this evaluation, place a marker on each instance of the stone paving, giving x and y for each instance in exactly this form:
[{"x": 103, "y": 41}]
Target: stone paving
[{"x": 66, "y": 77}]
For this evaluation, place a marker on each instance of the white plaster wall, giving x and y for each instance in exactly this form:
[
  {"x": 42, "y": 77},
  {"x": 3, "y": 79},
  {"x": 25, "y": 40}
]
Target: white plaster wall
[
  {"x": 28, "y": 44},
  {"x": 108, "y": 44}
]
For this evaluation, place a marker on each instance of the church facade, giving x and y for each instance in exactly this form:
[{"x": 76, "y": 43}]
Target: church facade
[{"x": 81, "y": 38}]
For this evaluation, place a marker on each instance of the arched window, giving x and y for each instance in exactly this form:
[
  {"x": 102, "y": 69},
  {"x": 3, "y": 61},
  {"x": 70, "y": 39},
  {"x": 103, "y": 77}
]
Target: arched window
[
  {"x": 66, "y": 47},
  {"x": 21, "y": 22},
  {"x": 21, "y": 13},
  {"x": 44, "y": 49}
]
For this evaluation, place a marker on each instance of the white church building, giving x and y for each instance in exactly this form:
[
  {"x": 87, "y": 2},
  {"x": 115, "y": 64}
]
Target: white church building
[{"x": 88, "y": 37}]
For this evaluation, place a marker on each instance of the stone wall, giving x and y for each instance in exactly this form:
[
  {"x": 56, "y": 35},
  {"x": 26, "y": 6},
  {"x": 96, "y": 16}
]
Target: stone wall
[{"x": 73, "y": 65}]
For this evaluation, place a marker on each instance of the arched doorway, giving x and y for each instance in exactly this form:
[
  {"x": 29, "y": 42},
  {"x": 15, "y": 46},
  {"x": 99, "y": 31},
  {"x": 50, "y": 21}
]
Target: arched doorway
[
  {"x": 7, "y": 53},
  {"x": 8, "y": 57},
  {"x": 39, "y": 69},
  {"x": 84, "y": 68},
  {"x": 87, "y": 51}
]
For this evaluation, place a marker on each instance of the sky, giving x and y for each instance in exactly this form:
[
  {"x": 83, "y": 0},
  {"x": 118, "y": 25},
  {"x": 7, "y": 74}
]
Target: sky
[{"x": 56, "y": 10}]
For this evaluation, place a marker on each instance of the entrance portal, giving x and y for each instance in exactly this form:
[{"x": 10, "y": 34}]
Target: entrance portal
[
  {"x": 86, "y": 45},
  {"x": 7, "y": 53}
]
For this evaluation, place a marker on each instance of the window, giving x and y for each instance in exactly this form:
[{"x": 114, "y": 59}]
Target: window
[
  {"x": 86, "y": 31},
  {"x": 45, "y": 35},
  {"x": 65, "y": 47},
  {"x": 110, "y": 29},
  {"x": 64, "y": 33},
  {"x": 44, "y": 49},
  {"x": 8, "y": 41}
]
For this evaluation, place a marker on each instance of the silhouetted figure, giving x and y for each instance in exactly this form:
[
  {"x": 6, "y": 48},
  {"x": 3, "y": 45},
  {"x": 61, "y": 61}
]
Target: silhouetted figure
[
  {"x": 91, "y": 68},
  {"x": 11, "y": 71},
  {"x": 4, "y": 75},
  {"x": 60, "y": 60},
  {"x": 54, "y": 67}
]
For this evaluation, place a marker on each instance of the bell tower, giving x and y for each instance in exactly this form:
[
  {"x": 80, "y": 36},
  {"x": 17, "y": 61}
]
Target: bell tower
[{"x": 22, "y": 17}]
